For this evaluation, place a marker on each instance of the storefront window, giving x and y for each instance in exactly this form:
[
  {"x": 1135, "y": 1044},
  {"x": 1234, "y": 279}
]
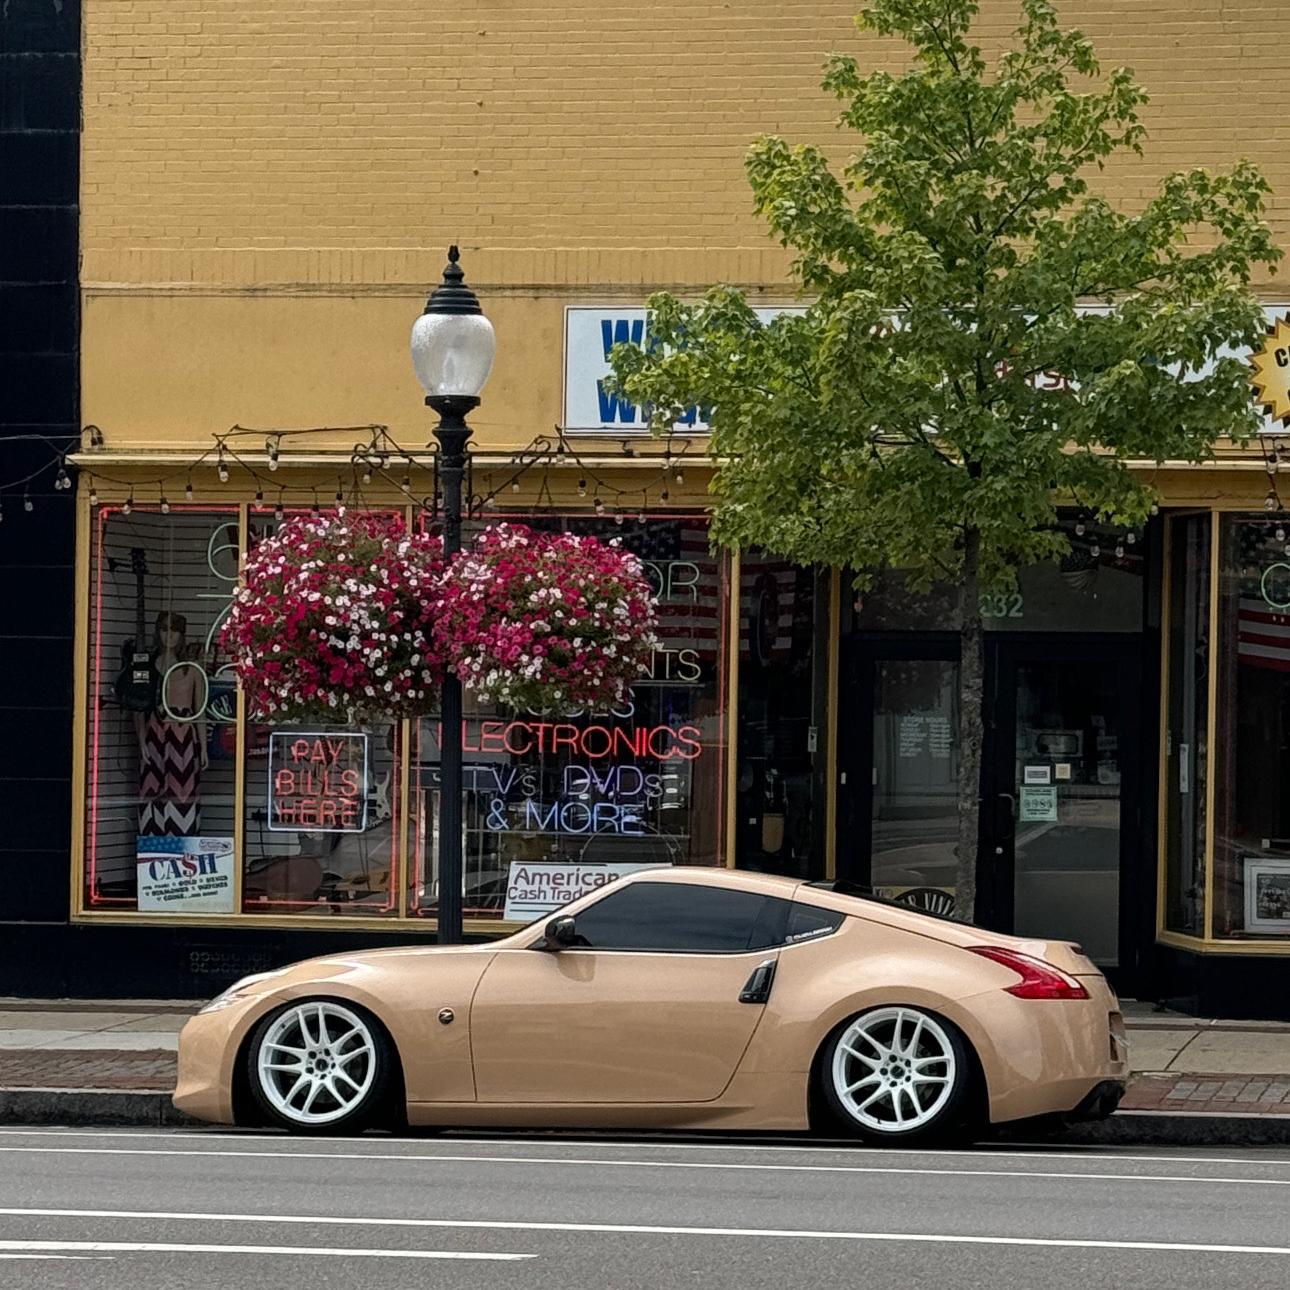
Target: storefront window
[
  {"x": 162, "y": 739},
  {"x": 1252, "y": 788},
  {"x": 642, "y": 784},
  {"x": 320, "y": 804},
  {"x": 1097, "y": 586},
  {"x": 1187, "y": 723},
  {"x": 783, "y": 613},
  {"x": 321, "y": 811}
]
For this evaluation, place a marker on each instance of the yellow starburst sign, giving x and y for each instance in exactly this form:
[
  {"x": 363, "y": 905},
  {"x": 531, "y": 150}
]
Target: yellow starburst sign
[{"x": 1270, "y": 371}]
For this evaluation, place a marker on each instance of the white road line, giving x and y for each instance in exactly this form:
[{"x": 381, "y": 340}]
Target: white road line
[
  {"x": 719, "y": 1165},
  {"x": 317, "y": 1251},
  {"x": 615, "y": 1229},
  {"x": 813, "y": 1148},
  {"x": 64, "y": 1258}
]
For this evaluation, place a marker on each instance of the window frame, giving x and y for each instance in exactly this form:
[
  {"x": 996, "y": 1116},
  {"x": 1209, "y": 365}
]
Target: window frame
[
  {"x": 1206, "y": 942},
  {"x": 241, "y": 510}
]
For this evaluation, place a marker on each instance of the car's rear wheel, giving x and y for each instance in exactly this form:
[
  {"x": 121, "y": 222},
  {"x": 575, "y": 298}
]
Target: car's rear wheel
[
  {"x": 318, "y": 1065},
  {"x": 898, "y": 1074}
]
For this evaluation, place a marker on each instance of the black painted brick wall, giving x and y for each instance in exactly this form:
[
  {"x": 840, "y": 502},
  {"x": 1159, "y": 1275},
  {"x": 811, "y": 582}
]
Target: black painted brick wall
[{"x": 40, "y": 78}]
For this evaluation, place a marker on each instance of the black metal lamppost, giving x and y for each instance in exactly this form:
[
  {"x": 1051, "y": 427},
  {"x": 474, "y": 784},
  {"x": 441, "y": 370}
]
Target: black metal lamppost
[{"x": 452, "y": 351}]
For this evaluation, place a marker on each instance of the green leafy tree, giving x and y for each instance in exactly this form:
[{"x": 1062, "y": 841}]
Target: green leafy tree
[{"x": 985, "y": 340}]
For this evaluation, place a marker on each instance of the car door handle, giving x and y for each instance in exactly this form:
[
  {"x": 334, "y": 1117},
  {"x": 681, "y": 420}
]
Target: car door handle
[{"x": 757, "y": 987}]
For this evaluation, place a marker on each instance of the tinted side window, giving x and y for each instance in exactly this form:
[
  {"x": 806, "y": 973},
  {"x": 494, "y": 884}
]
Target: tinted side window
[
  {"x": 808, "y": 921},
  {"x": 677, "y": 917}
]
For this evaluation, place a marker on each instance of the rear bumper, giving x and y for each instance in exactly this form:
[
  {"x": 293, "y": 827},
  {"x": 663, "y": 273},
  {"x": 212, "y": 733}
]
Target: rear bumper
[{"x": 1064, "y": 1058}]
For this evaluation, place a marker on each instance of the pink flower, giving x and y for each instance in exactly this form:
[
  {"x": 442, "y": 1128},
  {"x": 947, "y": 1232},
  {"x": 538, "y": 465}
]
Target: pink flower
[
  {"x": 545, "y": 621},
  {"x": 330, "y": 610}
]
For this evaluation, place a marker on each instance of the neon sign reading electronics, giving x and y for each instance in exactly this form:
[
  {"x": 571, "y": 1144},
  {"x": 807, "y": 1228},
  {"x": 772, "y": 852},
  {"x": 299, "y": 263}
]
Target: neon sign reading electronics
[
  {"x": 595, "y": 742},
  {"x": 317, "y": 782}
]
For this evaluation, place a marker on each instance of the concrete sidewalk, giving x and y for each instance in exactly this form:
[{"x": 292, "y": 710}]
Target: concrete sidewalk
[
  {"x": 1186, "y": 1070},
  {"x": 1185, "y": 1064},
  {"x": 89, "y": 1044}
]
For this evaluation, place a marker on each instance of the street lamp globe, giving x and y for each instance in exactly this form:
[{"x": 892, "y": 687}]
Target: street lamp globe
[{"x": 452, "y": 342}]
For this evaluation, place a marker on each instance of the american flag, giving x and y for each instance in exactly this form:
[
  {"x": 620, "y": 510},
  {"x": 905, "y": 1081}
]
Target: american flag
[
  {"x": 768, "y": 606},
  {"x": 1263, "y": 635},
  {"x": 1263, "y": 631},
  {"x": 686, "y": 576}
]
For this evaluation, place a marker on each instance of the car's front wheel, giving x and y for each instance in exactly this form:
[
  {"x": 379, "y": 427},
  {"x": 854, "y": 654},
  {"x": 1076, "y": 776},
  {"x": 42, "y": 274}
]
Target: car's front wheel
[
  {"x": 898, "y": 1074},
  {"x": 319, "y": 1065}
]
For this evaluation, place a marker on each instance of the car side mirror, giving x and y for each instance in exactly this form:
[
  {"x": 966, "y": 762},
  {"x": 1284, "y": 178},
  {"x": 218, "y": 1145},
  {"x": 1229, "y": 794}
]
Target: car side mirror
[{"x": 561, "y": 932}]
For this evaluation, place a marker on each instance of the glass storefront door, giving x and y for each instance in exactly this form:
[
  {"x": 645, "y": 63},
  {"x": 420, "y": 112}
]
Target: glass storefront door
[
  {"x": 1061, "y": 764},
  {"x": 1060, "y": 795}
]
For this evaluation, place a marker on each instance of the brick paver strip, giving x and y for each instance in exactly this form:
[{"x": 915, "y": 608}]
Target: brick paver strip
[
  {"x": 1224, "y": 1095},
  {"x": 150, "y": 1072}
]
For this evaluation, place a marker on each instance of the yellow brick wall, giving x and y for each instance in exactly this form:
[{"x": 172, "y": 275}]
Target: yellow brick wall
[
  {"x": 241, "y": 156},
  {"x": 311, "y": 141}
]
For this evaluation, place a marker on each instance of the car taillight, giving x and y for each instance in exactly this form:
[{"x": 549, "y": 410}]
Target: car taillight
[{"x": 1039, "y": 980}]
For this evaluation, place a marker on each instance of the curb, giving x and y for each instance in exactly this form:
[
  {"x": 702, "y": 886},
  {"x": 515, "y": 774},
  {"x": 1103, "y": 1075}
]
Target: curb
[
  {"x": 111, "y": 1108},
  {"x": 1181, "y": 1128},
  {"x": 88, "y": 1106}
]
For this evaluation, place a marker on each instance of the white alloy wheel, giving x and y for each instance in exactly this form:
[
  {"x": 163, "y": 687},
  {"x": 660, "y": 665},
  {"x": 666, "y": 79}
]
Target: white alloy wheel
[
  {"x": 316, "y": 1063},
  {"x": 894, "y": 1070}
]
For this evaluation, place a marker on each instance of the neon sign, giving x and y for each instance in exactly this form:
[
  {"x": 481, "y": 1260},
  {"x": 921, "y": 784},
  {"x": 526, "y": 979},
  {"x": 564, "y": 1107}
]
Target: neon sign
[
  {"x": 219, "y": 703},
  {"x": 595, "y": 742},
  {"x": 317, "y": 782},
  {"x": 1269, "y": 595}
]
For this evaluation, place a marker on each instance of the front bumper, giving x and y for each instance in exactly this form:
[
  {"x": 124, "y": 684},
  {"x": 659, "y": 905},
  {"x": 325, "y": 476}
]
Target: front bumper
[{"x": 208, "y": 1048}]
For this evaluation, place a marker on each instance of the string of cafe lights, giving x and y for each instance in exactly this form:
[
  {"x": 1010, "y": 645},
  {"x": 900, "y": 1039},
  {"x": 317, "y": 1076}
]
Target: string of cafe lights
[
  {"x": 1089, "y": 533},
  {"x": 1276, "y": 452},
  {"x": 29, "y": 486},
  {"x": 380, "y": 455}
]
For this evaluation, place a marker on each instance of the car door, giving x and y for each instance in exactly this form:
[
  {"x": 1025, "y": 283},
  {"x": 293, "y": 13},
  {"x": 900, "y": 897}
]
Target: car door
[{"x": 649, "y": 1010}]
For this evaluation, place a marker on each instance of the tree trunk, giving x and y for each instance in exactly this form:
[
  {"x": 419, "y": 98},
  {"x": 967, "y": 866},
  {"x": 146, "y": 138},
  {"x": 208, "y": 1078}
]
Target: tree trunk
[{"x": 971, "y": 727}]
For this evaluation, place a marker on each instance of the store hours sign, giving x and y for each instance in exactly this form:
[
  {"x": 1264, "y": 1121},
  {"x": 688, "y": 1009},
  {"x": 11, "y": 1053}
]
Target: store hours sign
[{"x": 318, "y": 781}]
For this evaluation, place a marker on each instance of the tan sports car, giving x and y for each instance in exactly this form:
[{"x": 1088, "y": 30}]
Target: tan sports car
[{"x": 673, "y": 998}]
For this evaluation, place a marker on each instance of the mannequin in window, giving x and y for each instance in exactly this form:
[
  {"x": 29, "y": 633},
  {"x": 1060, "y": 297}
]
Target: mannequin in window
[{"x": 172, "y": 739}]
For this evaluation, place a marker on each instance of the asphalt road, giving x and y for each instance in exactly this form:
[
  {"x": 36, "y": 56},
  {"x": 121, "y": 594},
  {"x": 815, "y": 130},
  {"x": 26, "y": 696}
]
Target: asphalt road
[{"x": 140, "y": 1210}]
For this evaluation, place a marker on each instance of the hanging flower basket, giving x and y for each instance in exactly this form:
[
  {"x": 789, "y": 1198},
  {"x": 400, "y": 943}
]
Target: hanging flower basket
[
  {"x": 333, "y": 621},
  {"x": 546, "y": 622}
]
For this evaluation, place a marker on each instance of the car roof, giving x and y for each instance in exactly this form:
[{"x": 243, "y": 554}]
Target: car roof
[
  {"x": 766, "y": 884},
  {"x": 825, "y": 896}
]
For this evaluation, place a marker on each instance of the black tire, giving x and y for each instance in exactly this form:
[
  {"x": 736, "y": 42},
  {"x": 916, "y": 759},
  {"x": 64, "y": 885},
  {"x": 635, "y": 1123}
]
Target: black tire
[
  {"x": 374, "y": 1106},
  {"x": 955, "y": 1119}
]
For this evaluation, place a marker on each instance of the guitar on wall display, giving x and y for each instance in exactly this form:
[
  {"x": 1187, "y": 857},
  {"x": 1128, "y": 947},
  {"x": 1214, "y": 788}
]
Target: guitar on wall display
[{"x": 137, "y": 682}]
